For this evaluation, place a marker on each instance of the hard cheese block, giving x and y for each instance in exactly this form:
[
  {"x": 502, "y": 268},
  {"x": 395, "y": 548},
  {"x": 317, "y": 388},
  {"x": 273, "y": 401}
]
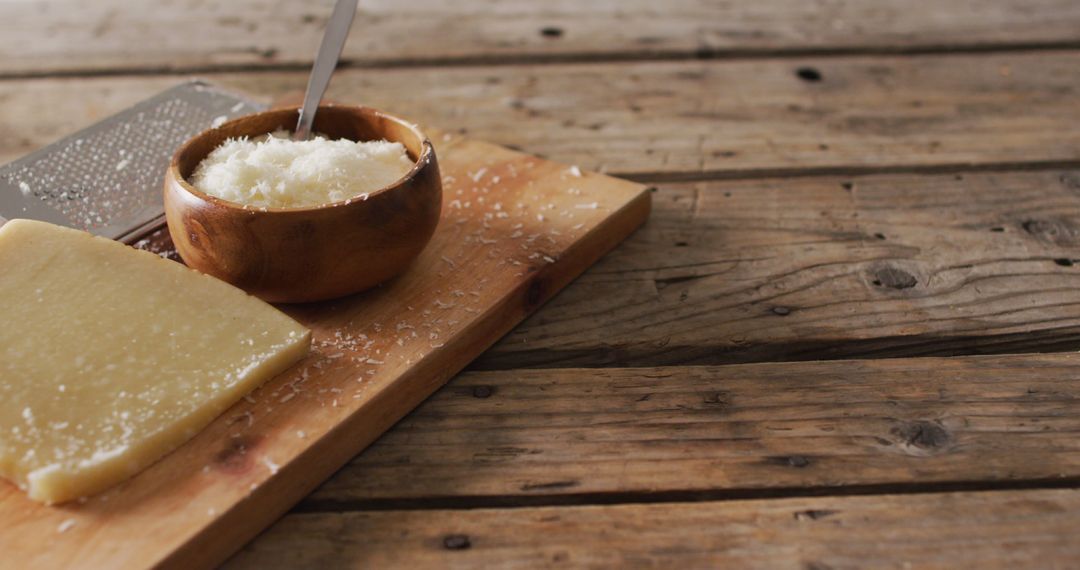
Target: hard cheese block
[{"x": 111, "y": 357}]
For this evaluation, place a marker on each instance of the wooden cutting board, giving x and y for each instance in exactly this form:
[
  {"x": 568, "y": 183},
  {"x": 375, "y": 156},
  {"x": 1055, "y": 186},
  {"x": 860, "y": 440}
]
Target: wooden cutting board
[{"x": 515, "y": 230}]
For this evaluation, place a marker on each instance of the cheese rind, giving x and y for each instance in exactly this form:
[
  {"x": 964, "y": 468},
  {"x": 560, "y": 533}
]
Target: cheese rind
[{"x": 111, "y": 357}]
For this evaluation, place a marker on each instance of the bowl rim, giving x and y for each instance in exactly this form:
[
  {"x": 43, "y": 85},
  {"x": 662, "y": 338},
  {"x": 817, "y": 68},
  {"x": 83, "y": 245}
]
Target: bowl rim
[{"x": 427, "y": 152}]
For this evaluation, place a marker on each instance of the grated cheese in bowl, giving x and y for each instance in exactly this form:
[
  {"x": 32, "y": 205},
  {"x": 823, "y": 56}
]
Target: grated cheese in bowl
[{"x": 272, "y": 171}]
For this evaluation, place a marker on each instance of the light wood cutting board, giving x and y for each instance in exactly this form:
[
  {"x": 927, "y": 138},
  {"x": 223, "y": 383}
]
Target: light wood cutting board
[{"x": 515, "y": 230}]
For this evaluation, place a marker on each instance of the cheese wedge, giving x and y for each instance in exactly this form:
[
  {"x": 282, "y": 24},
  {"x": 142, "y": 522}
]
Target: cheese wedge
[{"x": 112, "y": 357}]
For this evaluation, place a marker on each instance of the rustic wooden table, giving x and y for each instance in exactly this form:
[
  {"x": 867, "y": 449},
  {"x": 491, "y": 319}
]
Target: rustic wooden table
[{"x": 818, "y": 353}]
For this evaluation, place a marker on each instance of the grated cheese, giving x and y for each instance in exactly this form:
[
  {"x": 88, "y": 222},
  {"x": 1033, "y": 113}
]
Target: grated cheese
[{"x": 275, "y": 172}]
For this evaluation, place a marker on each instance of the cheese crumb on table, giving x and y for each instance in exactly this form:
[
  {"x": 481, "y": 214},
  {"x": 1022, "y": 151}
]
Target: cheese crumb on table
[
  {"x": 275, "y": 172},
  {"x": 112, "y": 357}
]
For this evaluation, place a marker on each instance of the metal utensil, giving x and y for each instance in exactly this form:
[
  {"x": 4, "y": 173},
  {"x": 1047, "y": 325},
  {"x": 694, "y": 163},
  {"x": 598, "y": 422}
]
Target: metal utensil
[
  {"x": 337, "y": 31},
  {"x": 106, "y": 179}
]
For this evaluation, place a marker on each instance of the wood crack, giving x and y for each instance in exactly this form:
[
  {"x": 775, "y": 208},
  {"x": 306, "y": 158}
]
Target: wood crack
[{"x": 311, "y": 506}]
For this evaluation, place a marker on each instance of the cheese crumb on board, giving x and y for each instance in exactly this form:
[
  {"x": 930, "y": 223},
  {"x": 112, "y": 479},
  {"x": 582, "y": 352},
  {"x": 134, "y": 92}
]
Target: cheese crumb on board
[
  {"x": 274, "y": 172},
  {"x": 112, "y": 357},
  {"x": 65, "y": 526}
]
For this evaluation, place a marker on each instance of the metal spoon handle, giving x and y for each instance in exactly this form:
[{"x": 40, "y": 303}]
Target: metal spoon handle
[{"x": 337, "y": 30}]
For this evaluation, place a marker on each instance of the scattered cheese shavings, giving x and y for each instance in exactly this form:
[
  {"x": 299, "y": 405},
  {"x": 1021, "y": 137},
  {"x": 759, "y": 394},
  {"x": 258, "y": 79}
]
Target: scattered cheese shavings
[
  {"x": 476, "y": 176},
  {"x": 65, "y": 526},
  {"x": 575, "y": 171},
  {"x": 273, "y": 467},
  {"x": 248, "y": 416},
  {"x": 589, "y": 206},
  {"x": 218, "y": 121}
]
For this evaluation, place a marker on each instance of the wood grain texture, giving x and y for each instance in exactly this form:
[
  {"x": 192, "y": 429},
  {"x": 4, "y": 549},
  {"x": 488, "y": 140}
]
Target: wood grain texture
[
  {"x": 822, "y": 268},
  {"x": 77, "y": 36},
  {"x": 499, "y": 253},
  {"x": 784, "y": 269},
  {"x": 574, "y": 435},
  {"x": 1017, "y": 529},
  {"x": 662, "y": 120}
]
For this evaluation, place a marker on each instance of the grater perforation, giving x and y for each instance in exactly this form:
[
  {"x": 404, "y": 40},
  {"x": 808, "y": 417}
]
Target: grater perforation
[{"x": 107, "y": 178}]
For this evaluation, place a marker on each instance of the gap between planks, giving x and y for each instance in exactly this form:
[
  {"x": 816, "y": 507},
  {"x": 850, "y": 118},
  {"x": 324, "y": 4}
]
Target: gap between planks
[
  {"x": 675, "y": 496},
  {"x": 700, "y": 54},
  {"x": 660, "y": 177},
  {"x": 183, "y": 34}
]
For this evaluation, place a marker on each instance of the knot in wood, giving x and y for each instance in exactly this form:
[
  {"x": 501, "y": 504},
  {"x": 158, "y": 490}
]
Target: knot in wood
[
  {"x": 715, "y": 398},
  {"x": 922, "y": 435},
  {"x": 1071, "y": 182},
  {"x": 234, "y": 458},
  {"x": 796, "y": 461},
  {"x": 813, "y": 514},
  {"x": 1053, "y": 231},
  {"x": 482, "y": 392},
  {"x": 808, "y": 74},
  {"x": 893, "y": 278},
  {"x": 456, "y": 542}
]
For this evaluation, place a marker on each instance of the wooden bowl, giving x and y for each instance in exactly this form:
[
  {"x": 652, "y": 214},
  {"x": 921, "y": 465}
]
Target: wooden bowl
[{"x": 312, "y": 253}]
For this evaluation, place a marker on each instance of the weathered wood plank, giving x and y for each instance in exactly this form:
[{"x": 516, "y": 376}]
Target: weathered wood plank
[
  {"x": 71, "y": 36},
  {"x": 707, "y": 280},
  {"x": 1016, "y": 529},
  {"x": 664, "y": 119},
  {"x": 824, "y": 267},
  {"x": 703, "y": 282},
  {"x": 729, "y": 431}
]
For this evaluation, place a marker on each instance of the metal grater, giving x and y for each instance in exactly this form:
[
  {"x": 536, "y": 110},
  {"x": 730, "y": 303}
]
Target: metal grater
[{"x": 107, "y": 179}]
